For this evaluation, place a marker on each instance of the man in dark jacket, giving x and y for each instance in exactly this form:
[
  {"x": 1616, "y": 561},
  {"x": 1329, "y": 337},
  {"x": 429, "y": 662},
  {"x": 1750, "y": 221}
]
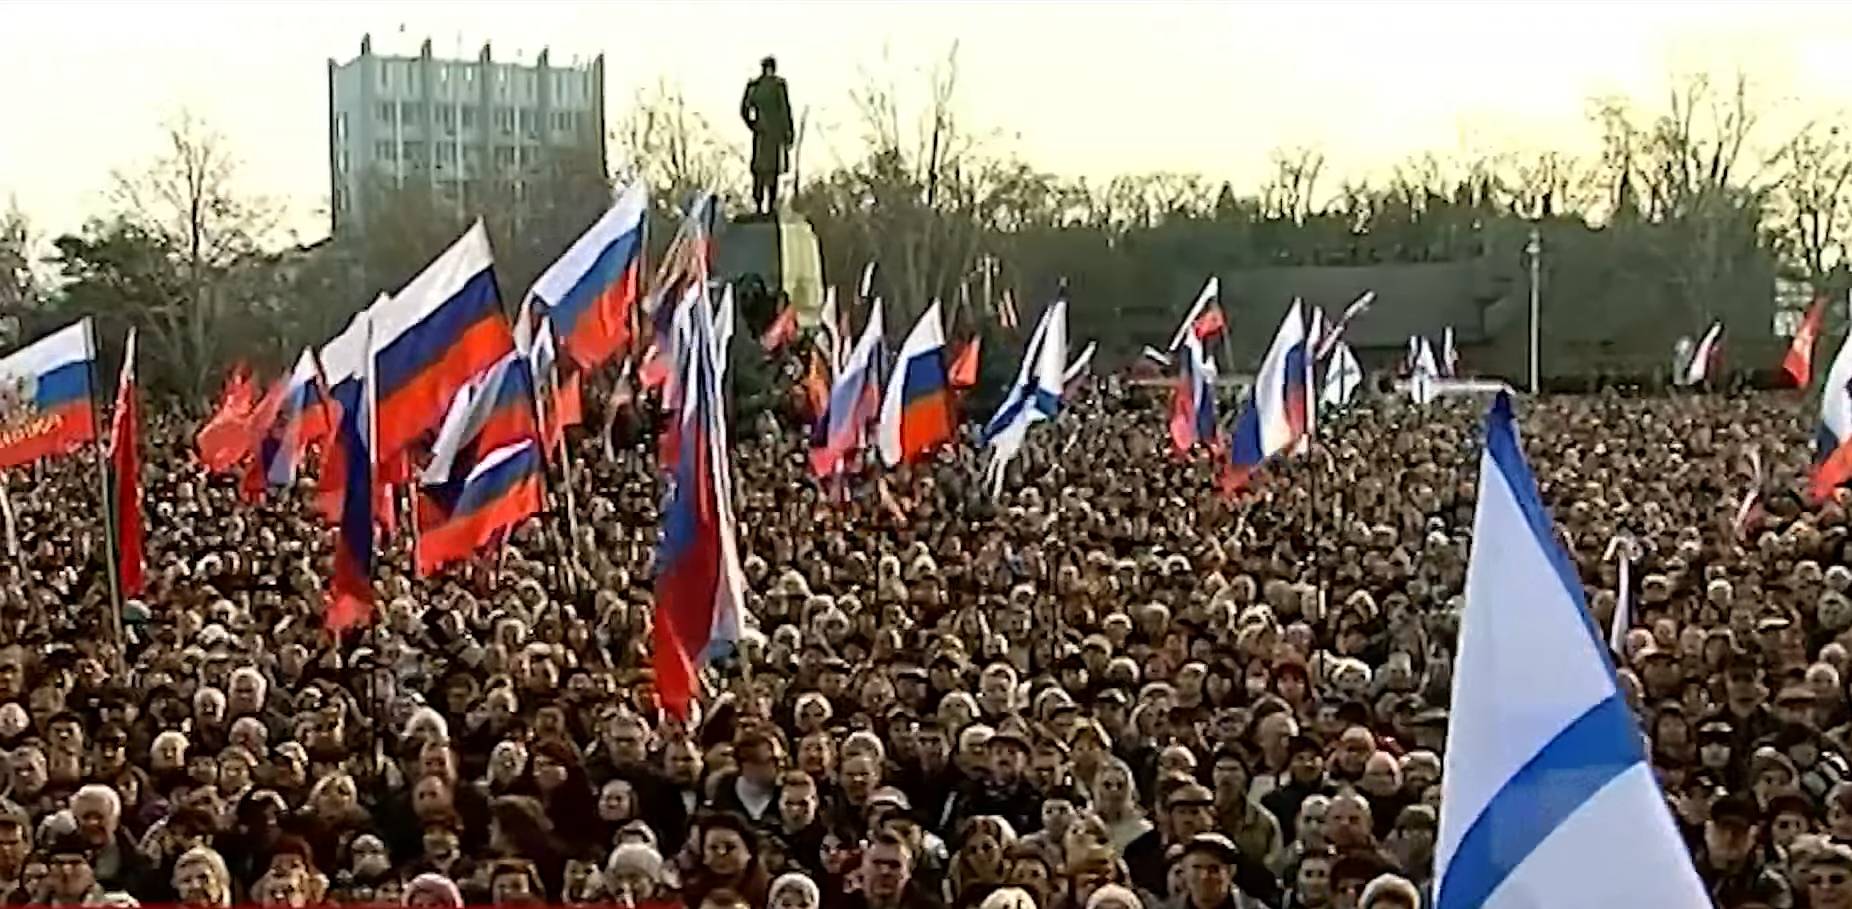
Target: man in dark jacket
[
  {"x": 1733, "y": 868},
  {"x": 1004, "y": 791},
  {"x": 887, "y": 879}
]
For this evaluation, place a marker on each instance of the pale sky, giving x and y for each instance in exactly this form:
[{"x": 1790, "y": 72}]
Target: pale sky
[{"x": 1088, "y": 88}]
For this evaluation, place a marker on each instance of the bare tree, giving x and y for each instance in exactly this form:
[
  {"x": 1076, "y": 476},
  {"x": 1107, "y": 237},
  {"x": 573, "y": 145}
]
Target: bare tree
[
  {"x": 674, "y": 149},
  {"x": 1543, "y": 185},
  {"x": 1811, "y": 199},
  {"x": 187, "y": 197},
  {"x": 20, "y": 287},
  {"x": 1290, "y": 192}
]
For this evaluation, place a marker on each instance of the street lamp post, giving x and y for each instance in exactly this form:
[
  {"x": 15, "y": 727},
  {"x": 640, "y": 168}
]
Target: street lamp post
[{"x": 1535, "y": 249}]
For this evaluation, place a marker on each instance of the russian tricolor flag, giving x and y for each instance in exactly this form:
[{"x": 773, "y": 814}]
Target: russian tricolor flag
[
  {"x": 590, "y": 291},
  {"x": 45, "y": 401},
  {"x": 433, "y": 336},
  {"x": 350, "y": 464},
  {"x": 491, "y": 413},
  {"x": 1205, "y": 319},
  {"x": 343, "y": 362},
  {"x": 853, "y": 401},
  {"x": 916, "y": 412},
  {"x": 700, "y": 588},
  {"x": 464, "y": 515},
  {"x": 1833, "y": 437},
  {"x": 1192, "y": 404},
  {"x": 1273, "y": 418},
  {"x": 292, "y": 416}
]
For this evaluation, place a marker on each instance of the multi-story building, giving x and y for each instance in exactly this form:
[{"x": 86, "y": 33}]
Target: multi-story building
[{"x": 459, "y": 127}]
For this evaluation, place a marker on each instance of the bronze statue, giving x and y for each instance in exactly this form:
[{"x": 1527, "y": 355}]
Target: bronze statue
[{"x": 767, "y": 111}]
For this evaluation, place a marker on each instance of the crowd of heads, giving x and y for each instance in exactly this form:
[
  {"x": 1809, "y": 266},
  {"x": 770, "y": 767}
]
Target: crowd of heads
[{"x": 1109, "y": 687}]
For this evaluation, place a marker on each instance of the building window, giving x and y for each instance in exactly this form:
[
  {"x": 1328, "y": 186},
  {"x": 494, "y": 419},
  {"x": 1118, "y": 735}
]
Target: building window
[
  {"x": 383, "y": 151},
  {"x": 504, "y": 120},
  {"x": 340, "y": 127},
  {"x": 341, "y": 162},
  {"x": 447, "y": 118},
  {"x": 385, "y": 75},
  {"x": 469, "y": 118},
  {"x": 504, "y": 156}
]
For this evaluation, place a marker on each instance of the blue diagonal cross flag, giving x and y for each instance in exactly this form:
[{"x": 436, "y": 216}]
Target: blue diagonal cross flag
[{"x": 1547, "y": 798}]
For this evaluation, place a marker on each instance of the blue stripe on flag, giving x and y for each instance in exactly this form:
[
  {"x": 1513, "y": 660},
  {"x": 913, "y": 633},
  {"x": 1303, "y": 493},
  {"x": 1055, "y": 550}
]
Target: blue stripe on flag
[
  {"x": 1576, "y": 764},
  {"x": 1501, "y": 443},
  {"x": 62, "y": 385}
]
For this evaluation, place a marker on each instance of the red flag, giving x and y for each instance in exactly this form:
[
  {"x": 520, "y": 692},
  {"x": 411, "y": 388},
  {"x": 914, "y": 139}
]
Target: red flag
[
  {"x": 655, "y": 369},
  {"x": 781, "y": 331},
  {"x": 1182, "y": 418},
  {"x": 568, "y": 410},
  {"x": 125, "y": 460},
  {"x": 964, "y": 366},
  {"x": 1210, "y": 322},
  {"x": 1799, "y": 361},
  {"x": 817, "y": 385},
  {"x": 226, "y": 437}
]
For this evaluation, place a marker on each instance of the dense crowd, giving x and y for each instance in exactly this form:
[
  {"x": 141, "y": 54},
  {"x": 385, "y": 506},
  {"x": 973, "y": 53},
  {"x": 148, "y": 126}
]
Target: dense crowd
[{"x": 1110, "y": 688}]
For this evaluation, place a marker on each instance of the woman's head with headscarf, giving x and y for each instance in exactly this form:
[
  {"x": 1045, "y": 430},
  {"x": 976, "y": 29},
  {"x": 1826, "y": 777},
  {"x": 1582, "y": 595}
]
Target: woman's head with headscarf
[
  {"x": 794, "y": 890},
  {"x": 433, "y": 890}
]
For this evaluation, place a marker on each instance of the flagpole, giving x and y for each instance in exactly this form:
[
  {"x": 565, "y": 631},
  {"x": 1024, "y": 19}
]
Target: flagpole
[
  {"x": 572, "y": 514},
  {"x": 109, "y": 512},
  {"x": 1311, "y": 450}
]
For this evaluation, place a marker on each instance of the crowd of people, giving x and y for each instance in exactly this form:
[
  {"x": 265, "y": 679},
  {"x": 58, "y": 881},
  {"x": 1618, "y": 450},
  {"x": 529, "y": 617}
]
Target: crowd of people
[{"x": 1108, "y": 688}]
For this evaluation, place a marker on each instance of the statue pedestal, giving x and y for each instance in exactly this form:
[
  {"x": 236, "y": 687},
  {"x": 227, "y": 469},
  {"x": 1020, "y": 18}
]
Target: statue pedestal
[{"x": 782, "y": 251}]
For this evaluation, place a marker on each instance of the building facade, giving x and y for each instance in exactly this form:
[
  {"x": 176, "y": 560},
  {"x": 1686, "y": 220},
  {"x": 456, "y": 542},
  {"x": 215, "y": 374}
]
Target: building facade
[{"x": 458, "y": 127}]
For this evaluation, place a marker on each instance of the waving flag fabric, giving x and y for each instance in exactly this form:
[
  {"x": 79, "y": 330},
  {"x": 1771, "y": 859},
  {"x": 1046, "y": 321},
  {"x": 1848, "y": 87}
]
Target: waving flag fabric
[
  {"x": 351, "y": 464},
  {"x": 700, "y": 587},
  {"x": 1705, "y": 357},
  {"x": 433, "y": 336},
  {"x": 491, "y": 413},
  {"x": 1192, "y": 402},
  {"x": 225, "y": 438},
  {"x": 1329, "y": 340},
  {"x": 1273, "y": 418},
  {"x": 1034, "y": 396},
  {"x": 1343, "y": 376},
  {"x": 45, "y": 397},
  {"x": 1833, "y": 437},
  {"x": 1798, "y": 364},
  {"x": 125, "y": 464},
  {"x": 1421, "y": 385},
  {"x": 344, "y": 362},
  {"x": 462, "y": 516},
  {"x": 1547, "y": 798},
  {"x": 1082, "y": 364},
  {"x": 853, "y": 402},
  {"x": 964, "y": 366},
  {"x": 782, "y": 330},
  {"x": 294, "y": 415},
  {"x": 833, "y": 337},
  {"x": 916, "y": 411},
  {"x": 685, "y": 268},
  {"x": 589, "y": 291},
  {"x": 1205, "y": 319},
  {"x": 559, "y": 399}
]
